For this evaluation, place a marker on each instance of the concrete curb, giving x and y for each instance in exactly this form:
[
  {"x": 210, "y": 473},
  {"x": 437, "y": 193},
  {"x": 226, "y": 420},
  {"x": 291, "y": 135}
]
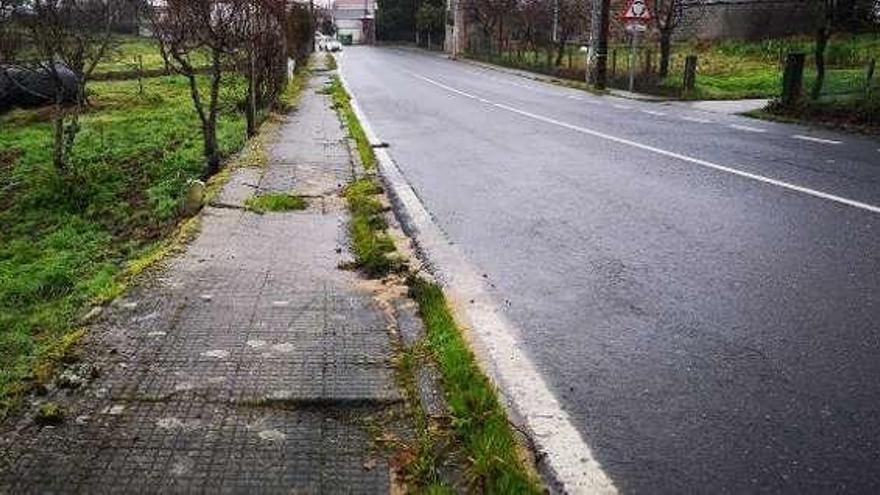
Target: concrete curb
[{"x": 563, "y": 456}]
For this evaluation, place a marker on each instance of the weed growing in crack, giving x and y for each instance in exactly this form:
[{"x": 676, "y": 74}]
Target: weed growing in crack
[
  {"x": 276, "y": 202},
  {"x": 373, "y": 247}
]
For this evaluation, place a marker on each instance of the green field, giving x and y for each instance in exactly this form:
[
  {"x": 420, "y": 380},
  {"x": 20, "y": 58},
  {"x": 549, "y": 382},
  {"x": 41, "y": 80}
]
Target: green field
[
  {"x": 726, "y": 69},
  {"x": 128, "y": 53},
  {"x": 64, "y": 240}
]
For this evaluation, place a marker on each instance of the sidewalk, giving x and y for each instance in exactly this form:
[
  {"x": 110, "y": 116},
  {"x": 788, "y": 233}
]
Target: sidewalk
[{"x": 251, "y": 363}]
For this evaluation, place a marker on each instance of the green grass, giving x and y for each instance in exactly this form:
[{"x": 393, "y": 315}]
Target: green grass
[
  {"x": 372, "y": 246},
  {"x": 295, "y": 87},
  {"x": 330, "y": 61},
  {"x": 64, "y": 241},
  {"x": 128, "y": 52},
  {"x": 276, "y": 202},
  {"x": 728, "y": 69},
  {"x": 860, "y": 114},
  {"x": 478, "y": 418},
  {"x": 486, "y": 439},
  {"x": 342, "y": 102}
]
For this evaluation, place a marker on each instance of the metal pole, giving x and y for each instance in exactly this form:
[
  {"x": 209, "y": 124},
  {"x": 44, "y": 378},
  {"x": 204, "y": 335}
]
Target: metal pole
[
  {"x": 555, "y": 21},
  {"x": 632, "y": 61}
]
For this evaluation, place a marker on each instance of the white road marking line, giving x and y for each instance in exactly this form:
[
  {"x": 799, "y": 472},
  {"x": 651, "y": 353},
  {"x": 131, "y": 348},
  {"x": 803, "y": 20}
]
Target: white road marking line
[
  {"x": 558, "y": 442},
  {"x": 697, "y": 161},
  {"x": 572, "y": 97},
  {"x": 815, "y": 139},
  {"x": 653, "y": 112},
  {"x": 447, "y": 88},
  {"x": 746, "y": 128},
  {"x": 696, "y": 119},
  {"x": 620, "y": 107},
  {"x": 685, "y": 158}
]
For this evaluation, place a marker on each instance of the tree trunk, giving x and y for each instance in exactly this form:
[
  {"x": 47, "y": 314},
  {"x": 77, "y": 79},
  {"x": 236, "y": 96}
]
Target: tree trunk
[
  {"x": 212, "y": 156},
  {"x": 251, "y": 113},
  {"x": 212, "y": 153},
  {"x": 598, "y": 70},
  {"x": 72, "y": 129},
  {"x": 665, "y": 52},
  {"x": 821, "y": 44},
  {"x": 58, "y": 136},
  {"x": 560, "y": 51}
]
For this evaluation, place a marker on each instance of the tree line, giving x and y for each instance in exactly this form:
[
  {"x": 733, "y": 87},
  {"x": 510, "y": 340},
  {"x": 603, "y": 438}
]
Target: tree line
[
  {"x": 418, "y": 21},
  {"x": 529, "y": 28},
  {"x": 63, "y": 41}
]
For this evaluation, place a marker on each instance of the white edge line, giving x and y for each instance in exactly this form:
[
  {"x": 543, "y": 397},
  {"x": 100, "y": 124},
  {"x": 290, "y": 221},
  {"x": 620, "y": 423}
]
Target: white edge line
[
  {"x": 696, "y": 119},
  {"x": 816, "y": 140},
  {"x": 746, "y": 128},
  {"x": 561, "y": 448}
]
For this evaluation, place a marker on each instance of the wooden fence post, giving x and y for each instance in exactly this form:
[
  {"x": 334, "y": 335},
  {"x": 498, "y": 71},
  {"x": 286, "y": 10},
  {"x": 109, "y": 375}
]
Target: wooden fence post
[
  {"x": 690, "y": 73},
  {"x": 613, "y": 63},
  {"x": 793, "y": 78}
]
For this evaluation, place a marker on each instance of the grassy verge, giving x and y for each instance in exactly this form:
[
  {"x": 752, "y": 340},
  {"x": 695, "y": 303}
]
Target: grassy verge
[
  {"x": 478, "y": 418},
  {"x": 65, "y": 240},
  {"x": 342, "y": 102},
  {"x": 329, "y": 61},
  {"x": 67, "y": 243},
  {"x": 852, "y": 114},
  {"x": 485, "y": 438},
  {"x": 373, "y": 247},
  {"x": 274, "y": 202},
  {"x": 726, "y": 69},
  {"x": 133, "y": 53}
]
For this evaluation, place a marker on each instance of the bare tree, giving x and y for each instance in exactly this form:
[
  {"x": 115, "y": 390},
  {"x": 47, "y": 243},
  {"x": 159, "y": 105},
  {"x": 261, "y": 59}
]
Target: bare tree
[
  {"x": 431, "y": 19},
  {"x": 265, "y": 54},
  {"x": 63, "y": 37},
  {"x": 10, "y": 40},
  {"x": 490, "y": 16},
  {"x": 574, "y": 19},
  {"x": 186, "y": 29},
  {"x": 671, "y": 15},
  {"x": 832, "y": 16}
]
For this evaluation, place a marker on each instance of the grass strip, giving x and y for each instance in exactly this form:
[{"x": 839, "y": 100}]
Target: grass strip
[
  {"x": 478, "y": 418},
  {"x": 486, "y": 439},
  {"x": 330, "y": 61},
  {"x": 373, "y": 247},
  {"x": 276, "y": 202},
  {"x": 342, "y": 103}
]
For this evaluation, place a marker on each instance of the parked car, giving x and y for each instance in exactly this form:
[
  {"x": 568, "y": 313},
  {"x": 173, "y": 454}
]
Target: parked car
[{"x": 333, "y": 46}]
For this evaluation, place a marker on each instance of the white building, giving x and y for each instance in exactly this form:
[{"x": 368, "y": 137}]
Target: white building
[{"x": 355, "y": 18}]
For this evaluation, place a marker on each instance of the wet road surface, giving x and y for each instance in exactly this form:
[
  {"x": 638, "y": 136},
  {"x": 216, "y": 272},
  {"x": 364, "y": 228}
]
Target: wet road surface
[{"x": 700, "y": 290}]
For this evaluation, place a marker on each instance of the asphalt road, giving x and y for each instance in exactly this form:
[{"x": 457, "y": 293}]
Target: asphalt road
[{"x": 700, "y": 290}]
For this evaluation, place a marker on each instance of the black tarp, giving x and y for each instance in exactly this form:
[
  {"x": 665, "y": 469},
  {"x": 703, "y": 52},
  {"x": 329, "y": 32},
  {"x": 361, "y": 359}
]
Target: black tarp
[{"x": 25, "y": 87}]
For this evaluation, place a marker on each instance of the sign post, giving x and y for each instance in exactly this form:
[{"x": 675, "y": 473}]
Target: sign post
[{"x": 636, "y": 16}]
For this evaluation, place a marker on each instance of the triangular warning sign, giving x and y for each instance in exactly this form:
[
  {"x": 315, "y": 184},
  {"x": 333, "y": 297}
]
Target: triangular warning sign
[{"x": 637, "y": 10}]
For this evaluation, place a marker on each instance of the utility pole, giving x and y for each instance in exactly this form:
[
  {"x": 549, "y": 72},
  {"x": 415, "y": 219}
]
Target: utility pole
[
  {"x": 555, "y": 21},
  {"x": 598, "y": 75}
]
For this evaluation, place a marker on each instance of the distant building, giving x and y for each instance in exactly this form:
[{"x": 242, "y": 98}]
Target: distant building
[{"x": 355, "y": 18}]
